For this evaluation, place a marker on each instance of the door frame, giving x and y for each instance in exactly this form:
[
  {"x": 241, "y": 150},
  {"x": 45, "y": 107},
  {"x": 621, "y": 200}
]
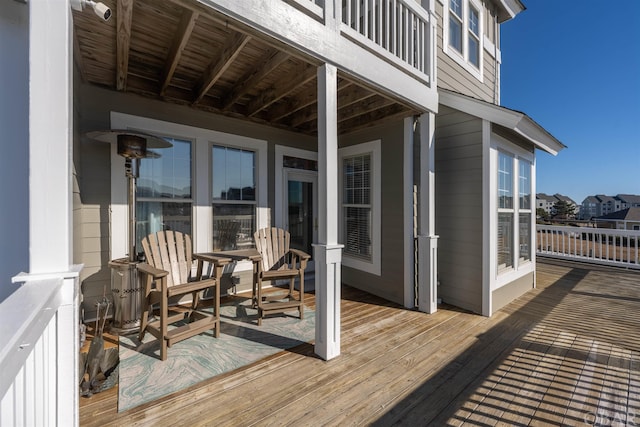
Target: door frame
[
  {"x": 281, "y": 185},
  {"x": 279, "y": 219}
]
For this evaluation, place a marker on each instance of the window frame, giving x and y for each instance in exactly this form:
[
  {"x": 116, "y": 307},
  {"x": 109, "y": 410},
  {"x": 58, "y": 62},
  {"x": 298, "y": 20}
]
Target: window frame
[
  {"x": 374, "y": 149},
  {"x": 202, "y": 215},
  {"x": 463, "y": 58},
  {"x": 520, "y": 267},
  {"x": 213, "y": 201},
  {"x": 162, "y": 200}
]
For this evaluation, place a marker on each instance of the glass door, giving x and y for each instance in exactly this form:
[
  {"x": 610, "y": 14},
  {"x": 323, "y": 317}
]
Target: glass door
[{"x": 301, "y": 211}]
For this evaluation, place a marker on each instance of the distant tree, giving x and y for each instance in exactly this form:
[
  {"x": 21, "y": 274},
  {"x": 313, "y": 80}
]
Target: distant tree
[
  {"x": 564, "y": 210},
  {"x": 542, "y": 214}
]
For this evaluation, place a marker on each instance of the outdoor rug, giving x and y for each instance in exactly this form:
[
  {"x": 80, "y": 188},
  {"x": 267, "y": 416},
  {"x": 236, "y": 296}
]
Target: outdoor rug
[{"x": 143, "y": 377}]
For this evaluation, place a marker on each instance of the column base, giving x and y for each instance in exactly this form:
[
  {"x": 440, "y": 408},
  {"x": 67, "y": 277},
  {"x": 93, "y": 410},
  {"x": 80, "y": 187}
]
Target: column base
[{"x": 328, "y": 259}]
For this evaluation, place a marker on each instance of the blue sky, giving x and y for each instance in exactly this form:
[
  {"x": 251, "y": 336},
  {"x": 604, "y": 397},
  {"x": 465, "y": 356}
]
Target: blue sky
[{"x": 574, "y": 67}]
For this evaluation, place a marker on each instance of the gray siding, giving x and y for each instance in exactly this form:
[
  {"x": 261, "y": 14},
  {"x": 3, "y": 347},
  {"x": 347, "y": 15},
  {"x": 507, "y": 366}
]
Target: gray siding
[
  {"x": 390, "y": 283},
  {"x": 92, "y": 197},
  {"x": 458, "y": 165},
  {"x": 453, "y": 77}
]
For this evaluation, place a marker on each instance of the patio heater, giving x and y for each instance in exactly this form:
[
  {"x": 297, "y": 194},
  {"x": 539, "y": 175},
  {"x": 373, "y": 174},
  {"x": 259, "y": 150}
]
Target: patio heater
[{"x": 125, "y": 283}]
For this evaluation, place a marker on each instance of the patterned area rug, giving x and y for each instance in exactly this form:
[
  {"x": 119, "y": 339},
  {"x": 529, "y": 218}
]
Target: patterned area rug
[{"x": 143, "y": 377}]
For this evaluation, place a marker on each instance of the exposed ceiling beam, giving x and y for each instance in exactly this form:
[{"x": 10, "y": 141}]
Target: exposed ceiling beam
[
  {"x": 77, "y": 56},
  {"x": 124, "y": 18},
  {"x": 375, "y": 118},
  {"x": 368, "y": 105},
  {"x": 254, "y": 76},
  {"x": 292, "y": 106},
  {"x": 302, "y": 75},
  {"x": 183, "y": 33},
  {"x": 219, "y": 64}
]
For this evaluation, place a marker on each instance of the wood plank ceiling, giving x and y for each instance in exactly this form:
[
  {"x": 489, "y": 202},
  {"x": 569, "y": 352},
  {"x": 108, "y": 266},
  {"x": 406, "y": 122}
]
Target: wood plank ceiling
[{"x": 182, "y": 52}]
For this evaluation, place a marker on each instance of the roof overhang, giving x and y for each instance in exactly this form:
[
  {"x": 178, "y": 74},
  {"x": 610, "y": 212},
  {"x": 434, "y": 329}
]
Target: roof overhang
[
  {"x": 515, "y": 121},
  {"x": 508, "y": 9}
]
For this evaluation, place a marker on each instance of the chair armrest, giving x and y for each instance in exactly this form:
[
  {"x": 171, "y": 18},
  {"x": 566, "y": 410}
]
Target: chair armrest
[
  {"x": 300, "y": 254},
  {"x": 156, "y": 273},
  {"x": 216, "y": 260}
]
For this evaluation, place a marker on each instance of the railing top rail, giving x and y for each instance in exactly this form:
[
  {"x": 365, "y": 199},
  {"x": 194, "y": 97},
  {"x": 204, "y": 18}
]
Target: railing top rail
[
  {"x": 615, "y": 231},
  {"x": 24, "y": 315}
]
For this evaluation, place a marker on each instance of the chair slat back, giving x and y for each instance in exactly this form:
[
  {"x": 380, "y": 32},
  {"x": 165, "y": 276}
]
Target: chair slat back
[
  {"x": 273, "y": 245},
  {"x": 170, "y": 251}
]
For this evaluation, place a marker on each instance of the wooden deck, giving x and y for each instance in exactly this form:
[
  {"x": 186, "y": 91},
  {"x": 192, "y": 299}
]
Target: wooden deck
[{"x": 567, "y": 353}]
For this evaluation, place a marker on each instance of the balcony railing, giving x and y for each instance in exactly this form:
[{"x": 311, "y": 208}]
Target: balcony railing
[
  {"x": 596, "y": 245},
  {"x": 39, "y": 353},
  {"x": 400, "y": 29}
]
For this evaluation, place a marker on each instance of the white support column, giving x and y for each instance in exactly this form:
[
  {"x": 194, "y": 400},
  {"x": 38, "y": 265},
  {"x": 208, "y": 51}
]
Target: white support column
[
  {"x": 50, "y": 135},
  {"x": 427, "y": 240},
  {"x": 327, "y": 252},
  {"x": 50, "y": 189}
]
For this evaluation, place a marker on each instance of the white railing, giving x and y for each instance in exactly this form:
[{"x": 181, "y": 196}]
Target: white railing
[
  {"x": 597, "y": 245},
  {"x": 39, "y": 353},
  {"x": 402, "y": 28}
]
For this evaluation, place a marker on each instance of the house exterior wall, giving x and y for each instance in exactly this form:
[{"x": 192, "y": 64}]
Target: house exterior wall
[
  {"x": 450, "y": 75},
  {"x": 459, "y": 208},
  {"x": 92, "y": 217},
  {"x": 390, "y": 283}
]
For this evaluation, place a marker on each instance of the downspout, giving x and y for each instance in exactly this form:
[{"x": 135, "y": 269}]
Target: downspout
[{"x": 496, "y": 63}]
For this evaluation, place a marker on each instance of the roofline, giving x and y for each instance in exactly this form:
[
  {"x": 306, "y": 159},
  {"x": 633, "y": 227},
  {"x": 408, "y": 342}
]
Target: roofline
[
  {"x": 509, "y": 9},
  {"x": 516, "y": 121}
]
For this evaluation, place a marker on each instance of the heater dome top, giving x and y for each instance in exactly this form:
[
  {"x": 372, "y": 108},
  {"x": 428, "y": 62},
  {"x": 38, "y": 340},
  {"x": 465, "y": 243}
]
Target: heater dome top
[{"x": 112, "y": 137}]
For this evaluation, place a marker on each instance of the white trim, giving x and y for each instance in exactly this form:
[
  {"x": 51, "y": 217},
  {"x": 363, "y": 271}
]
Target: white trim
[
  {"x": 511, "y": 119},
  {"x": 519, "y": 269},
  {"x": 492, "y": 50},
  {"x": 374, "y": 148},
  {"x": 280, "y": 182},
  {"x": 462, "y": 58},
  {"x": 408, "y": 216},
  {"x": 489, "y": 217},
  {"x": 202, "y": 139}
]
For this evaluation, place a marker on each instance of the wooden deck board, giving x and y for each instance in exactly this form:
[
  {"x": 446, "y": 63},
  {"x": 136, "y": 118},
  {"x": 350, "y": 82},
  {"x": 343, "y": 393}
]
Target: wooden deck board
[{"x": 566, "y": 353}]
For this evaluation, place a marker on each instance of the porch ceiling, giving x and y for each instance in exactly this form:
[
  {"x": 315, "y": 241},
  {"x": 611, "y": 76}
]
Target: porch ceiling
[{"x": 183, "y": 52}]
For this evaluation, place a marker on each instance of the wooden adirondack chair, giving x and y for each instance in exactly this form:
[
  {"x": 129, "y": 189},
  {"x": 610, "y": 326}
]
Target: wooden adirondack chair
[
  {"x": 167, "y": 275},
  {"x": 279, "y": 262}
]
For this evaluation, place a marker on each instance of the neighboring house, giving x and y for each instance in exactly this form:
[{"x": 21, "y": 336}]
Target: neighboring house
[
  {"x": 595, "y": 206},
  {"x": 629, "y": 201},
  {"x": 590, "y": 208},
  {"x": 608, "y": 204},
  {"x": 269, "y": 104},
  {"x": 625, "y": 219},
  {"x": 545, "y": 202}
]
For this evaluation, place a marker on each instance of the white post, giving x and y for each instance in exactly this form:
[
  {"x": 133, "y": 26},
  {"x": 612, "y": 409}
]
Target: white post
[
  {"x": 427, "y": 240},
  {"x": 50, "y": 189},
  {"x": 50, "y": 124},
  {"x": 327, "y": 252}
]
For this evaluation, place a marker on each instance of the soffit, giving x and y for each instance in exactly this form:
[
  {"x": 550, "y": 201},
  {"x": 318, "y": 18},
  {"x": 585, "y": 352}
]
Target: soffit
[
  {"x": 181, "y": 51},
  {"x": 512, "y": 121}
]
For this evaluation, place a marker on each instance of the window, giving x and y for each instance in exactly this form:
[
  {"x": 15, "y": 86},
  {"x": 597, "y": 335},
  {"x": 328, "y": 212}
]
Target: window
[
  {"x": 524, "y": 190},
  {"x": 512, "y": 215},
  {"x": 164, "y": 193},
  {"x": 474, "y": 37},
  {"x": 360, "y": 206},
  {"x": 505, "y": 211},
  {"x": 463, "y": 37},
  {"x": 233, "y": 197},
  {"x": 455, "y": 24},
  {"x": 357, "y": 206}
]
